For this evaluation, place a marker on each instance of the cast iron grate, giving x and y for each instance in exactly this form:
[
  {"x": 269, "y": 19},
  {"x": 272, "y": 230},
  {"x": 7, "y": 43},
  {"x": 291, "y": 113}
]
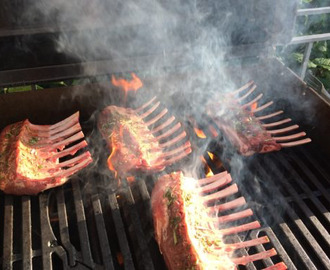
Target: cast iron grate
[
  {"x": 291, "y": 189},
  {"x": 86, "y": 225}
]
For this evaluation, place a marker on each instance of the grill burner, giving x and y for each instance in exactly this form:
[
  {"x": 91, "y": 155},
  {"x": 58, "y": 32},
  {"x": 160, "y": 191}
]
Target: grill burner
[{"x": 84, "y": 225}]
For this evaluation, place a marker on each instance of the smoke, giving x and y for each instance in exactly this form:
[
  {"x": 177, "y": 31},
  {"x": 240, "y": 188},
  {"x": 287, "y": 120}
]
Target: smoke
[
  {"x": 155, "y": 37},
  {"x": 164, "y": 39}
]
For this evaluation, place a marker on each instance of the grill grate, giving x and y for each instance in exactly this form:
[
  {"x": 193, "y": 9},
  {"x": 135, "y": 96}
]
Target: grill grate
[
  {"x": 307, "y": 216},
  {"x": 294, "y": 182},
  {"x": 83, "y": 227},
  {"x": 87, "y": 225}
]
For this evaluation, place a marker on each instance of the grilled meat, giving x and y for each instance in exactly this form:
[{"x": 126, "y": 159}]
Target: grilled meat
[
  {"x": 29, "y": 156},
  {"x": 135, "y": 147},
  {"x": 188, "y": 229},
  {"x": 235, "y": 116},
  {"x": 245, "y": 131},
  {"x": 186, "y": 237},
  {"x": 132, "y": 145}
]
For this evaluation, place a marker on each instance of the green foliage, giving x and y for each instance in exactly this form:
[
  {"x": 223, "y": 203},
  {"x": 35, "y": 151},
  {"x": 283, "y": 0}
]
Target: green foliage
[
  {"x": 20, "y": 88},
  {"x": 58, "y": 84},
  {"x": 322, "y": 62},
  {"x": 319, "y": 62}
]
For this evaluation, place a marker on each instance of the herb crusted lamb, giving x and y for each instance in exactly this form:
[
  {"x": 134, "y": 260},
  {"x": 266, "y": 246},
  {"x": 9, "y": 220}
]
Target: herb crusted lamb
[
  {"x": 180, "y": 222},
  {"x": 29, "y": 155},
  {"x": 137, "y": 144}
]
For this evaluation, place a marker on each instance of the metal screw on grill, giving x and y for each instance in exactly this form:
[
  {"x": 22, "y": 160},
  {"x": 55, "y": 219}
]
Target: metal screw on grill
[{"x": 53, "y": 243}]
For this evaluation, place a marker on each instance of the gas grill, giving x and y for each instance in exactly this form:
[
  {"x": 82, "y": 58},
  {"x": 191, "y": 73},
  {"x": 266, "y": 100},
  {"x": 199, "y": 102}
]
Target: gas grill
[{"x": 89, "y": 223}]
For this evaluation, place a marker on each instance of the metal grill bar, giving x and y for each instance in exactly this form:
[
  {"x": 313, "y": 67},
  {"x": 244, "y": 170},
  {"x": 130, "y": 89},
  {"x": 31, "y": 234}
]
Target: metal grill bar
[
  {"x": 120, "y": 230},
  {"x": 308, "y": 214},
  {"x": 48, "y": 240},
  {"x": 243, "y": 252},
  {"x": 302, "y": 204},
  {"x": 315, "y": 164},
  {"x": 309, "y": 193},
  {"x": 101, "y": 230},
  {"x": 82, "y": 226},
  {"x": 311, "y": 176},
  {"x": 144, "y": 192},
  {"x": 26, "y": 233},
  {"x": 135, "y": 230},
  {"x": 64, "y": 226},
  {"x": 47, "y": 237},
  {"x": 268, "y": 261},
  {"x": 297, "y": 247},
  {"x": 279, "y": 248},
  {"x": 8, "y": 234}
]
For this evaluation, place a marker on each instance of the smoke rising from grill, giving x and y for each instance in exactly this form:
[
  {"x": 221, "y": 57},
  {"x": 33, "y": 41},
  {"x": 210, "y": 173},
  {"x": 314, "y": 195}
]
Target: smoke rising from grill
[{"x": 162, "y": 38}]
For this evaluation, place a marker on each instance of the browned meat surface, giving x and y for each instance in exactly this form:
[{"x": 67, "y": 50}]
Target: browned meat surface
[
  {"x": 235, "y": 114},
  {"x": 242, "y": 128},
  {"x": 133, "y": 147},
  {"x": 29, "y": 156}
]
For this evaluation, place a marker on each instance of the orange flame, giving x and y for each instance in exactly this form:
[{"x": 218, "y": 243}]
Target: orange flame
[
  {"x": 211, "y": 155},
  {"x": 111, "y": 167},
  {"x": 115, "y": 149},
  {"x": 200, "y": 133},
  {"x": 254, "y": 106},
  {"x": 216, "y": 160},
  {"x": 125, "y": 85},
  {"x": 207, "y": 170}
]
